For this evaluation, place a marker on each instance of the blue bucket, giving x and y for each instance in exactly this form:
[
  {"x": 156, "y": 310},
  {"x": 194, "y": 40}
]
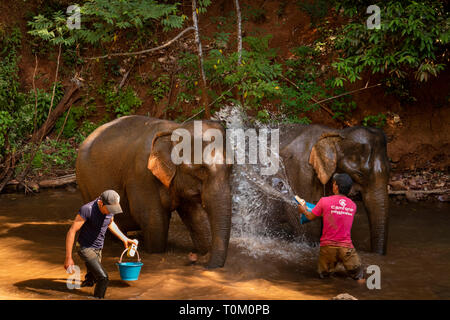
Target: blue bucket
[{"x": 129, "y": 271}]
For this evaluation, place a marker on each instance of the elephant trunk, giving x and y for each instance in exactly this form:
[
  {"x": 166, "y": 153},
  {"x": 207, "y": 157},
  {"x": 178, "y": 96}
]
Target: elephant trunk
[
  {"x": 217, "y": 202},
  {"x": 376, "y": 202}
]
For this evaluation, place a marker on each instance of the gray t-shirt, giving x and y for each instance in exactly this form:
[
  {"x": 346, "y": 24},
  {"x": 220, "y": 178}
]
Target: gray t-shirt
[{"x": 92, "y": 233}]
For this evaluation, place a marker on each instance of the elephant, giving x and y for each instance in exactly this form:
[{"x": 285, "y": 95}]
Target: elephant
[
  {"x": 132, "y": 155},
  {"x": 313, "y": 153}
]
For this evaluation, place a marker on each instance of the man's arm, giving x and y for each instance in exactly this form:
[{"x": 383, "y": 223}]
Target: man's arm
[
  {"x": 309, "y": 215},
  {"x": 116, "y": 231},
  {"x": 70, "y": 239}
]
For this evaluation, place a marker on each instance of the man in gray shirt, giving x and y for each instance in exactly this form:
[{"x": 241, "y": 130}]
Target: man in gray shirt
[{"x": 93, "y": 219}]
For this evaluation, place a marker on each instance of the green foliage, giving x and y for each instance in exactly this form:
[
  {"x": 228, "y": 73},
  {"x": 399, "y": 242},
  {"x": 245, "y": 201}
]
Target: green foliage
[
  {"x": 316, "y": 9},
  {"x": 76, "y": 113},
  {"x": 6, "y": 121},
  {"x": 413, "y": 40},
  {"x": 121, "y": 102},
  {"x": 86, "y": 129},
  {"x": 10, "y": 43},
  {"x": 202, "y": 5},
  {"x": 102, "y": 19},
  {"x": 44, "y": 100},
  {"x": 51, "y": 155},
  {"x": 378, "y": 120},
  {"x": 159, "y": 87},
  {"x": 253, "y": 14},
  {"x": 303, "y": 70},
  {"x": 255, "y": 78}
]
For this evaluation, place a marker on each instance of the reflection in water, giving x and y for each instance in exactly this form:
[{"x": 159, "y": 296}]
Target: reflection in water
[{"x": 33, "y": 228}]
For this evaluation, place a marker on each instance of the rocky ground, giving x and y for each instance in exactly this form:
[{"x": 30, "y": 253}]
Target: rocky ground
[{"x": 418, "y": 185}]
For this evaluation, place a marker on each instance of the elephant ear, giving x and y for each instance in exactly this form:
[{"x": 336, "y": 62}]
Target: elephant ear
[
  {"x": 323, "y": 156},
  {"x": 159, "y": 161}
]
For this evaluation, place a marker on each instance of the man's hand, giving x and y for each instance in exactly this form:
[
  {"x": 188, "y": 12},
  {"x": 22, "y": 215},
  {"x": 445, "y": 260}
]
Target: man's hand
[
  {"x": 302, "y": 208},
  {"x": 70, "y": 238},
  {"x": 68, "y": 262},
  {"x": 128, "y": 242}
]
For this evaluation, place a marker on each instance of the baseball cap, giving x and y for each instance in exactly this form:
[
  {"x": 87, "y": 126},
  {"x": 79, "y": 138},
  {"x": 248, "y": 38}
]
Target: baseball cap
[{"x": 111, "y": 200}]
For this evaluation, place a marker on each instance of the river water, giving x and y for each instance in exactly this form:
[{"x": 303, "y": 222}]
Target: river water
[{"x": 32, "y": 237}]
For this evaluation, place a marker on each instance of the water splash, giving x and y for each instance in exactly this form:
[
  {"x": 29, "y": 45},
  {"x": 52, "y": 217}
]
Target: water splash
[{"x": 250, "y": 193}]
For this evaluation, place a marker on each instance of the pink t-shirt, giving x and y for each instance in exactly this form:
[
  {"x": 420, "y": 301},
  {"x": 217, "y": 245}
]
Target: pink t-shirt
[{"x": 338, "y": 212}]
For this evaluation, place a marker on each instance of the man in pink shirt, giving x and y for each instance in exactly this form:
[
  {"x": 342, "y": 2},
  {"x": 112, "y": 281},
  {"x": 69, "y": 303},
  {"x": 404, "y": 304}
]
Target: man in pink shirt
[{"x": 336, "y": 244}]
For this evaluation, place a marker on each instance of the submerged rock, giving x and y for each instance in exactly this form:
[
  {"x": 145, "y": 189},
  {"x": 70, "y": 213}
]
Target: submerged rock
[
  {"x": 411, "y": 196},
  {"x": 397, "y": 185}
]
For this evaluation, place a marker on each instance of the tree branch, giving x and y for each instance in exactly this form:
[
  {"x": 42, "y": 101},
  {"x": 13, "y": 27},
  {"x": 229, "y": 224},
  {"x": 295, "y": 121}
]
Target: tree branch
[
  {"x": 319, "y": 103},
  {"x": 239, "y": 30},
  {"x": 347, "y": 93},
  {"x": 35, "y": 94},
  {"x": 168, "y": 43}
]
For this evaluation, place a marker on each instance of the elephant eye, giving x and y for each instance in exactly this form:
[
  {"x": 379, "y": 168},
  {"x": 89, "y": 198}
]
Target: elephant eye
[{"x": 359, "y": 175}]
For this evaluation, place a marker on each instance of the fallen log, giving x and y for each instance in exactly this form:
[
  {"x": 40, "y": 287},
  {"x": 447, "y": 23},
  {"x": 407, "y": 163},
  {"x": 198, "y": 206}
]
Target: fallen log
[
  {"x": 59, "y": 181},
  {"x": 435, "y": 191}
]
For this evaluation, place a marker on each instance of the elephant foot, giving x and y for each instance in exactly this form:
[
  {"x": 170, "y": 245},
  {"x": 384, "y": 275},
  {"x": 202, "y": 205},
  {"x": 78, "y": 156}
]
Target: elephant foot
[
  {"x": 214, "y": 263},
  {"x": 213, "y": 266}
]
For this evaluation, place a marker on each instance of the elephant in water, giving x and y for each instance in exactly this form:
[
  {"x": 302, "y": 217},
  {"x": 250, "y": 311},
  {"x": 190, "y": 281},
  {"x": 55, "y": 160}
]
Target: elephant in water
[
  {"x": 312, "y": 153},
  {"x": 132, "y": 155}
]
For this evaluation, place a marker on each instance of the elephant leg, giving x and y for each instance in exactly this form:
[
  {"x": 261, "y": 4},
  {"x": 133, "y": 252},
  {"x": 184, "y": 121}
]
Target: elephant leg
[
  {"x": 196, "y": 220},
  {"x": 147, "y": 211}
]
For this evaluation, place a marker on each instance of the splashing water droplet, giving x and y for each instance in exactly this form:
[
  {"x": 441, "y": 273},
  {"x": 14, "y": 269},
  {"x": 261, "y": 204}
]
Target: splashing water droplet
[{"x": 250, "y": 191}]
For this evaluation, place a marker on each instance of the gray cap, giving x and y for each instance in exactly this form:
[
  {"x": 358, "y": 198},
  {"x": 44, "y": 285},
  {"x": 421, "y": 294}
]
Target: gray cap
[{"x": 111, "y": 200}]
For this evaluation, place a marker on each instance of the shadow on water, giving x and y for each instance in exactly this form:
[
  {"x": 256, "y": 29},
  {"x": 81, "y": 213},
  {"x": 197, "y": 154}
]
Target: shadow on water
[
  {"x": 33, "y": 229},
  {"x": 47, "y": 287}
]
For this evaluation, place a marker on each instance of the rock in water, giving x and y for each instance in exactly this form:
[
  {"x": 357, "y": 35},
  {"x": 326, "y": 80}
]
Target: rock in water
[
  {"x": 33, "y": 186},
  {"x": 411, "y": 196},
  {"x": 397, "y": 185},
  {"x": 344, "y": 296}
]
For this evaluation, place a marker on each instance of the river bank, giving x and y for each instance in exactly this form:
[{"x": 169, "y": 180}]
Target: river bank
[{"x": 407, "y": 186}]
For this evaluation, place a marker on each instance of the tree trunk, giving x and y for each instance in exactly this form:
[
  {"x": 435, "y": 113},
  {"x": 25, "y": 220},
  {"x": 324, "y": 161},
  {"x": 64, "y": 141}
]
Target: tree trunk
[
  {"x": 204, "y": 86},
  {"x": 71, "y": 95},
  {"x": 239, "y": 48}
]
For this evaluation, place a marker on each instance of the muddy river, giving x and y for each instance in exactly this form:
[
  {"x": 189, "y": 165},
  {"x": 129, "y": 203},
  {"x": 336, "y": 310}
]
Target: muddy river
[{"x": 33, "y": 229}]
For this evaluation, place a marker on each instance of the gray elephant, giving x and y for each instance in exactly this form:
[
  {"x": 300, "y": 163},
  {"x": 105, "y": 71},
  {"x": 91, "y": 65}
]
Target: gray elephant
[
  {"x": 132, "y": 155},
  {"x": 312, "y": 153}
]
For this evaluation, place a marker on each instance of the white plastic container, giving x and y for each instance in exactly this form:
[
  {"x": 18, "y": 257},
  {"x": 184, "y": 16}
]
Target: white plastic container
[
  {"x": 300, "y": 200},
  {"x": 132, "y": 249}
]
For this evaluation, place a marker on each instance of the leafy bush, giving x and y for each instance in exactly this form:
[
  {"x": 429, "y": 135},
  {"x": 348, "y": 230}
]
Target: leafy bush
[
  {"x": 50, "y": 155},
  {"x": 378, "y": 120},
  {"x": 316, "y": 9},
  {"x": 103, "y": 19},
  {"x": 86, "y": 129},
  {"x": 6, "y": 122},
  {"x": 255, "y": 78},
  {"x": 10, "y": 43},
  {"x": 159, "y": 87},
  {"x": 122, "y": 102},
  {"x": 412, "y": 40},
  {"x": 303, "y": 70}
]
